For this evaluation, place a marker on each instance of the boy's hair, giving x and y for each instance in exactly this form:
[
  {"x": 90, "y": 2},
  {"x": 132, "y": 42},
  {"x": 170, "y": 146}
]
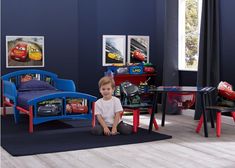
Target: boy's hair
[{"x": 106, "y": 80}]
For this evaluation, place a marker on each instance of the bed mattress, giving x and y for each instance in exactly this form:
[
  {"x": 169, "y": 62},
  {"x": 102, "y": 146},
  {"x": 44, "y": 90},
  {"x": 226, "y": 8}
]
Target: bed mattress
[{"x": 25, "y": 96}]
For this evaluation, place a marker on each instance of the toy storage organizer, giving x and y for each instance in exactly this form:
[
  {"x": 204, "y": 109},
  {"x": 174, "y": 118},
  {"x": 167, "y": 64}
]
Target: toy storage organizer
[{"x": 137, "y": 79}]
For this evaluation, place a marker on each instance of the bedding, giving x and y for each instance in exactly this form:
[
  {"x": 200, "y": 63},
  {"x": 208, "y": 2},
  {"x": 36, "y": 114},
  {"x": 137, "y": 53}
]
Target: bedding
[
  {"x": 31, "y": 89},
  {"x": 35, "y": 85},
  {"x": 24, "y": 96}
]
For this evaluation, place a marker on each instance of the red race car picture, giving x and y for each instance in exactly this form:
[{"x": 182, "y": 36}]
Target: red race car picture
[
  {"x": 19, "y": 52},
  {"x": 76, "y": 108},
  {"x": 138, "y": 55}
]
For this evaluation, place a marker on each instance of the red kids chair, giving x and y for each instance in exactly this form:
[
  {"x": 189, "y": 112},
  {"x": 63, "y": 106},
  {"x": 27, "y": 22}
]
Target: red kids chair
[
  {"x": 225, "y": 103},
  {"x": 135, "y": 109},
  {"x": 219, "y": 110}
]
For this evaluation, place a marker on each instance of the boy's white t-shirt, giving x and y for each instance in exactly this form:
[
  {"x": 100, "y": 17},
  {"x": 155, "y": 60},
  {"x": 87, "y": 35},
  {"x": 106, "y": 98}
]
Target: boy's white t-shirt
[{"x": 107, "y": 109}]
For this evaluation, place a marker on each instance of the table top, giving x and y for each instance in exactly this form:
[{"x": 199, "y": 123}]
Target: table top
[{"x": 182, "y": 89}]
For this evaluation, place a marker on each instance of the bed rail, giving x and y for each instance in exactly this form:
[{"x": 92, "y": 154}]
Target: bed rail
[
  {"x": 62, "y": 95},
  {"x": 9, "y": 90},
  {"x": 34, "y": 119},
  {"x": 28, "y": 71},
  {"x": 65, "y": 85}
]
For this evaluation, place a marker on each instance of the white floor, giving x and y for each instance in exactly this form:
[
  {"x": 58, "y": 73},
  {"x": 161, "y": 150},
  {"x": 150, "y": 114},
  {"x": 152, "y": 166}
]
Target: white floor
[{"x": 185, "y": 150}]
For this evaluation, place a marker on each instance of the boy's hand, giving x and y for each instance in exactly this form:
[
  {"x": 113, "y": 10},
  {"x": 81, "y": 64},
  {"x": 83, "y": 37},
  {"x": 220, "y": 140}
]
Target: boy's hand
[
  {"x": 114, "y": 131},
  {"x": 107, "y": 131}
]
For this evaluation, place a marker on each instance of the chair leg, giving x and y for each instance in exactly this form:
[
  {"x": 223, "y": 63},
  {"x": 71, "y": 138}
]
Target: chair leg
[
  {"x": 138, "y": 118},
  {"x": 150, "y": 110},
  {"x": 135, "y": 120},
  {"x": 218, "y": 124},
  {"x": 233, "y": 115},
  {"x": 121, "y": 114},
  {"x": 199, "y": 126}
]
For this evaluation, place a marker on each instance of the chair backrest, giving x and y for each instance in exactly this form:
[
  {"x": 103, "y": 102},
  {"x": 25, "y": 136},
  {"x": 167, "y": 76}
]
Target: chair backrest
[
  {"x": 129, "y": 93},
  {"x": 221, "y": 101}
]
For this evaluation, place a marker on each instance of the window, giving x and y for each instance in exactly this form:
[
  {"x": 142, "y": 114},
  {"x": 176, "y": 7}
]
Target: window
[{"x": 189, "y": 29}]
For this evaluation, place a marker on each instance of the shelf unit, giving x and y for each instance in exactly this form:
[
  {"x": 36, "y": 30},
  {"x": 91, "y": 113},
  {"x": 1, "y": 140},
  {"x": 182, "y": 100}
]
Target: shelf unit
[{"x": 134, "y": 78}]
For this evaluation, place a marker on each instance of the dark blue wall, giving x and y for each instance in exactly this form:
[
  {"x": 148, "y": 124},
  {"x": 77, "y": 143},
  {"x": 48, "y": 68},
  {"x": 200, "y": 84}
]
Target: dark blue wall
[
  {"x": 73, "y": 32},
  {"x": 122, "y": 17},
  {"x": 56, "y": 20},
  {"x": 228, "y": 41},
  {"x": 88, "y": 54}
]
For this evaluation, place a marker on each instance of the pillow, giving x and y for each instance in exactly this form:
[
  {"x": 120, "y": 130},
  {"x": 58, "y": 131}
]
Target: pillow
[{"x": 35, "y": 85}]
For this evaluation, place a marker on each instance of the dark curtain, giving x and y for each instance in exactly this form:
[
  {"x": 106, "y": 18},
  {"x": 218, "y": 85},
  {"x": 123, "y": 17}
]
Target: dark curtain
[
  {"x": 170, "y": 60},
  {"x": 209, "y": 49}
]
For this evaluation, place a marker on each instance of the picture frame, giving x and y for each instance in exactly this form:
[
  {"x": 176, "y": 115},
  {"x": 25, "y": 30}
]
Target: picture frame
[
  {"x": 138, "y": 49},
  {"x": 24, "y": 51},
  {"x": 76, "y": 105},
  {"x": 114, "y": 50}
]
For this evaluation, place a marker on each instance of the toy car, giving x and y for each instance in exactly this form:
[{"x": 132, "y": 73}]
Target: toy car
[
  {"x": 114, "y": 56},
  {"x": 149, "y": 70},
  {"x": 129, "y": 93},
  {"x": 226, "y": 90},
  {"x": 49, "y": 110},
  {"x": 122, "y": 70},
  {"x": 35, "y": 53},
  {"x": 138, "y": 55},
  {"x": 76, "y": 108},
  {"x": 19, "y": 52},
  {"x": 112, "y": 52}
]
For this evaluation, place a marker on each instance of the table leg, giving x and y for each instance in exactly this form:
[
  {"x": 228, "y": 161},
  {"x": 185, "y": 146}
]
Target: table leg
[
  {"x": 204, "y": 114},
  {"x": 164, "y": 109},
  {"x": 211, "y": 111},
  {"x": 153, "y": 112}
]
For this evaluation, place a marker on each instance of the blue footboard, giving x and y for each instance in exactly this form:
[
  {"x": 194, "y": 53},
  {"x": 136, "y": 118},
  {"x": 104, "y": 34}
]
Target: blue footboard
[{"x": 64, "y": 115}]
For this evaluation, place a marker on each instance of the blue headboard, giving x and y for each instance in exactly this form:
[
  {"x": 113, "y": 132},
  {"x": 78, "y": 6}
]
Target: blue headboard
[{"x": 16, "y": 76}]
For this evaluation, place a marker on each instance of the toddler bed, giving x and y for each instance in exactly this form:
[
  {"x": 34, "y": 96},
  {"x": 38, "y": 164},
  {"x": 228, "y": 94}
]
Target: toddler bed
[{"x": 44, "y": 97}]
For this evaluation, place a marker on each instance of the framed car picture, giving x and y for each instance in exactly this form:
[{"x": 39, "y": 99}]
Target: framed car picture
[
  {"x": 24, "y": 51},
  {"x": 52, "y": 107},
  {"x": 138, "y": 49},
  {"x": 76, "y": 105},
  {"x": 114, "y": 49}
]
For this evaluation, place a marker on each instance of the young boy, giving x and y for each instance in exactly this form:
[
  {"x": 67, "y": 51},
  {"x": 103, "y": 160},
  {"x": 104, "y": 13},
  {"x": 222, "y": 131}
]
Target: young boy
[{"x": 107, "y": 111}]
